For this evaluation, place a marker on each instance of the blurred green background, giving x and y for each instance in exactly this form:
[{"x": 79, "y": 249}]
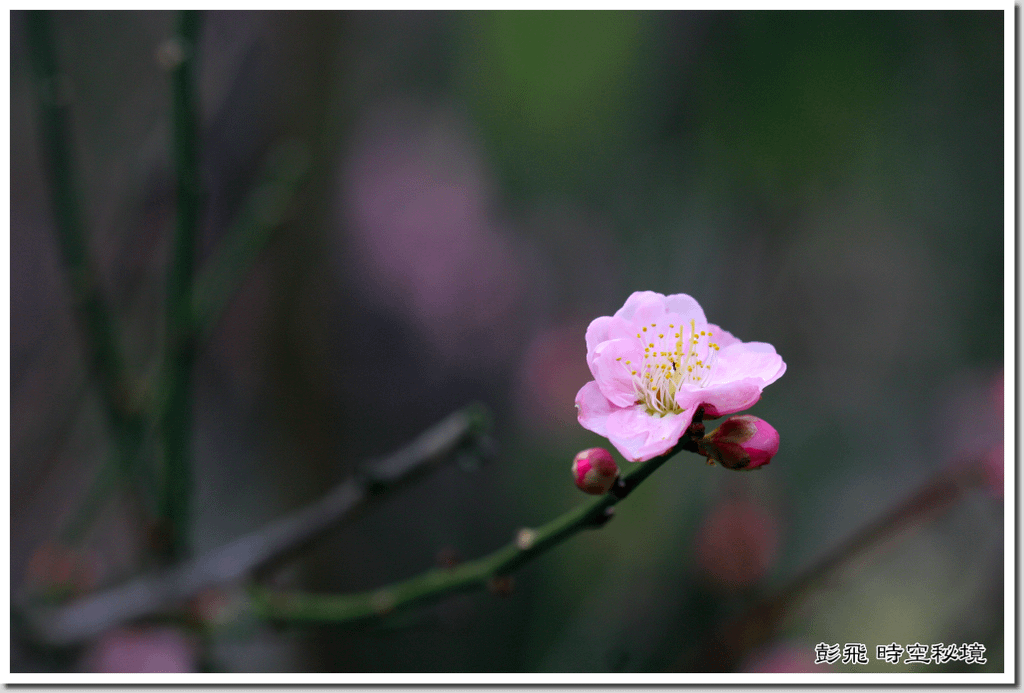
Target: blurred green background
[{"x": 483, "y": 185}]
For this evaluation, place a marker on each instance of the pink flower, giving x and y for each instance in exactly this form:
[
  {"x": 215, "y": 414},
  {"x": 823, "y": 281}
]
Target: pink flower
[
  {"x": 595, "y": 471},
  {"x": 551, "y": 375},
  {"x": 658, "y": 359},
  {"x": 141, "y": 650},
  {"x": 423, "y": 235},
  {"x": 742, "y": 442},
  {"x": 737, "y": 544}
]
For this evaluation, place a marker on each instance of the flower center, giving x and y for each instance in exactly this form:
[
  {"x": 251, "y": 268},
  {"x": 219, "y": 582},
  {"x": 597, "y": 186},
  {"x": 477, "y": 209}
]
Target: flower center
[{"x": 672, "y": 357}]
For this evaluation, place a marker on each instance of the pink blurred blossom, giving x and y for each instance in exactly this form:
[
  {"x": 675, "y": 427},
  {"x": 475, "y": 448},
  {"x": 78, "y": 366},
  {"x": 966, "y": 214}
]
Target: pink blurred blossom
[
  {"x": 738, "y": 543},
  {"x": 552, "y": 373},
  {"x": 141, "y": 649},
  {"x": 655, "y": 361},
  {"x": 426, "y": 242}
]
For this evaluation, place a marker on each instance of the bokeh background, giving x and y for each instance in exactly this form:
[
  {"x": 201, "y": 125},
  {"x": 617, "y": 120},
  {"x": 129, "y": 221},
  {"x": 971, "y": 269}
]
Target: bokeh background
[{"x": 481, "y": 186}]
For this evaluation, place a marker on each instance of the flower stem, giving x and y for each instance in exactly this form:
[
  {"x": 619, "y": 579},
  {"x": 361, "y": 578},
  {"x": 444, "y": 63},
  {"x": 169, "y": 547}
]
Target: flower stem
[
  {"x": 435, "y": 583},
  {"x": 180, "y": 346}
]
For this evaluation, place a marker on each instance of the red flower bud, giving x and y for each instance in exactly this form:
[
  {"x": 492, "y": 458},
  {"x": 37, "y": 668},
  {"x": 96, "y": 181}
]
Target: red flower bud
[
  {"x": 595, "y": 471},
  {"x": 741, "y": 442}
]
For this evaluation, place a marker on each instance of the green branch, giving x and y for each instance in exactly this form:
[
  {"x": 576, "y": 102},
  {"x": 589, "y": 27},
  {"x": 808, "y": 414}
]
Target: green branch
[
  {"x": 262, "y": 213},
  {"x": 277, "y": 605},
  {"x": 180, "y": 355},
  {"x": 104, "y": 358}
]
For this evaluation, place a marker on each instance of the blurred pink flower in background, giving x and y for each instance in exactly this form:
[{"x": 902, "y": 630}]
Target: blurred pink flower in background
[
  {"x": 141, "y": 649},
  {"x": 785, "y": 657},
  {"x": 738, "y": 543},
  {"x": 552, "y": 373},
  {"x": 418, "y": 204},
  {"x": 655, "y": 361}
]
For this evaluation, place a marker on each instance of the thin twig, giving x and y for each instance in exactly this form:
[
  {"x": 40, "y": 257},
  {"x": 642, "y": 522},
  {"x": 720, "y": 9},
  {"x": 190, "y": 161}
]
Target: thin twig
[
  {"x": 77, "y": 525},
  {"x": 104, "y": 354},
  {"x": 104, "y": 357},
  {"x": 433, "y": 584},
  {"x": 179, "y": 357},
  {"x": 262, "y": 213},
  {"x": 153, "y": 594}
]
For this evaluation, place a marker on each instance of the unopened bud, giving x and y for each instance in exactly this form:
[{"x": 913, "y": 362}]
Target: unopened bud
[
  {"x": 595, "y": 471},
  {"x": 741, "y": 442}
]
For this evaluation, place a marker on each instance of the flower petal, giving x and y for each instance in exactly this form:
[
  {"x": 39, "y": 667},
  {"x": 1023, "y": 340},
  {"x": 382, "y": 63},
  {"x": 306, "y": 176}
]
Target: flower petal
[
  {"x": 687, "y": 308},
  {"x": 721, "y": 399},
  {"x": 593, "y": 409},
  {"x": 642, "y": 307},
  {"x": 612, "y": 372},
  {"x": 723, "y": 338},
  {"x": 748, "y": 360},
  {"x": 603, "y": 329},
  {"x": 640, "y": 436}
]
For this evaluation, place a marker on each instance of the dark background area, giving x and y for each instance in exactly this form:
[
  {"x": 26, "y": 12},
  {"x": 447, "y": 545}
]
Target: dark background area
[{"x": 482, "y": 186}]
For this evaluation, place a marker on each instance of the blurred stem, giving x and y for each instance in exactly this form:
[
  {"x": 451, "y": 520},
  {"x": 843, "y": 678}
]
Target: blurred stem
[
  {"x": 77, "y": 526},
  {"x": 462, "y": 433},
  {"x": 180, "y": 354},
  {"x": 102, "y": 343},
  {"x": 262, "y": 213},
  {"x": 529, "y": 543}
]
